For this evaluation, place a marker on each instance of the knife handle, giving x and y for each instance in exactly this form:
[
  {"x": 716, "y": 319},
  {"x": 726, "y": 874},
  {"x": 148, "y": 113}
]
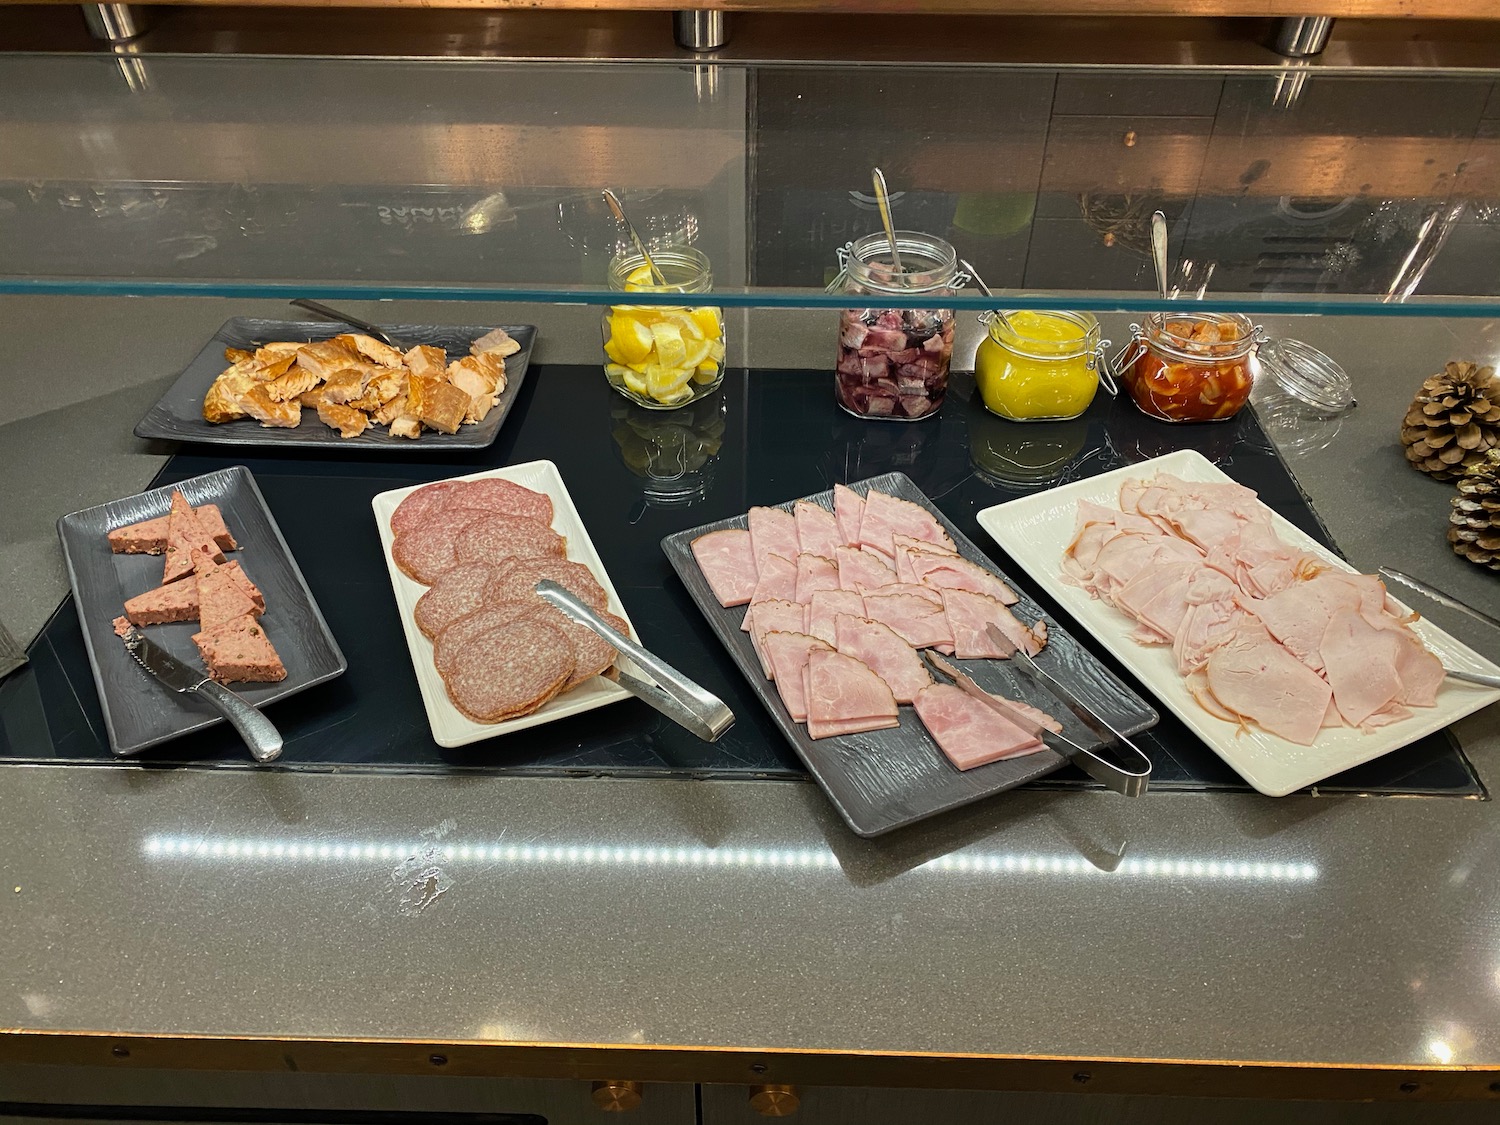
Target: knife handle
[{"x": 259, "y": 733}]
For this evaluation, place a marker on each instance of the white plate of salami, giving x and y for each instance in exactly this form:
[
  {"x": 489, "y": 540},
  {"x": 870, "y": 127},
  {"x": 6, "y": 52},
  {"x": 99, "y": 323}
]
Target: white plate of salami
[
  {"x": 464, "y": 556},
  {"x": 848, "y": 619},
  {"x": 1210, "y": 670}
]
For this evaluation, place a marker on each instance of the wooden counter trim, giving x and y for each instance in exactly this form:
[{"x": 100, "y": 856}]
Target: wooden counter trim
[
  {"x": 1366, "y": 9},
  {"x": 601, "y": 1061}
]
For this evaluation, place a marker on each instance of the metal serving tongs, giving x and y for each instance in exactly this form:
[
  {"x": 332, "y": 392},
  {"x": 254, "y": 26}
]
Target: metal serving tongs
[
  {"x": 1452, "y": 603},
  {"x": 1128, "y": 775},
  {"x": 689, "y": 706}
]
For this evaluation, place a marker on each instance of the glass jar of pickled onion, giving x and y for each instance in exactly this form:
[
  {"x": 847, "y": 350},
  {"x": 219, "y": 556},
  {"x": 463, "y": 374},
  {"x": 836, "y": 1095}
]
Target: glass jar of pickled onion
[
  {"x": 1190, "y": 366},
  {"x": 1040, "y": 366}
]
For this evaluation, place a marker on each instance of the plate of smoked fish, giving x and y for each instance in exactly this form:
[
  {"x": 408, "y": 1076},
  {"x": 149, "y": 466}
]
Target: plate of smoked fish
[
  {"x": 312, "y": 383},
  {"x": 1285, "y": 660},
  {"x": 824, "y": 603}
]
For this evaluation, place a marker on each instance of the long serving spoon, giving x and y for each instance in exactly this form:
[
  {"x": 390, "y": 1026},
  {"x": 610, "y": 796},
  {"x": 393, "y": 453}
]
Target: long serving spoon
[
  {"x": 352, "y": 321},
  {"x": 1159, "y": 251},
  {"x": 640, "y": 247},
  {"x": 985, "y": 289},
  {"x": 883, "y": 201}
]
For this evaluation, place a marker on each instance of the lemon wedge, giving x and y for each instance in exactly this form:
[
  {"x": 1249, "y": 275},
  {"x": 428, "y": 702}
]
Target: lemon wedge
[
  {"x": 632, "y": 340},
  {"x": 707, "y": 320},
  {"x": 706, "y": 373},
  {"x": 639, "y": 278},
  {"x": 665, "y": 383},
  {"x": 697, "y": 352},
  {"x": 670, "y": 348}
]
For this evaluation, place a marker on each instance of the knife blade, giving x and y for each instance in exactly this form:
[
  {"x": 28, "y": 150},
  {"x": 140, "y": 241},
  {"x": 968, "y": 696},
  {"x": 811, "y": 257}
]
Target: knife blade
[
  {"x": 259, "y": 733},
  {"x": 1130, "y": 778}
]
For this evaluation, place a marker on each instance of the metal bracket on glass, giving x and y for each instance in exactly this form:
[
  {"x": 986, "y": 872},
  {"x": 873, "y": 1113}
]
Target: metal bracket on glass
[
  {"x": 1297, "y": 37},
  {"x": 700, "y": 29},
  {"x": 116, "y": 23}
]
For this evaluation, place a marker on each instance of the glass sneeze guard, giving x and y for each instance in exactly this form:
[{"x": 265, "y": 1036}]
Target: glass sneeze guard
[{"x": 475, "y": 180}]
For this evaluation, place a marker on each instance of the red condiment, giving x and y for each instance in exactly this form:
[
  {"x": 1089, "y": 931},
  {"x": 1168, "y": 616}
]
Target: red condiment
[{"x": 1191, "y": 369}]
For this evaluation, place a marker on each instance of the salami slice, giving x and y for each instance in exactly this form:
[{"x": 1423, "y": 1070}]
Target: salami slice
[
  {"x": 420, "y": 504},
  {"x": 458, "y": 635},
  {"x": 592, "y": 654},
  {"x": 511, "y": 671},
  {"x": 506, "y": 498},
  {"x": 427, "y": 550},
  {"x": 517, "y": 581},
  {"x": 457, "y": 592},
  {"x": 492, "y": 537}
]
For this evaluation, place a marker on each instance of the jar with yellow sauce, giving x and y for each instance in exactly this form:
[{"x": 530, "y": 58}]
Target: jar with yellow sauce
[{"x": 1039, "y": 366}]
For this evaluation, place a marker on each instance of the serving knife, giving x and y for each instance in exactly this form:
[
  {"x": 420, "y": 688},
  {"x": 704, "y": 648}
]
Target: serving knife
[
  {"x": 260, "y": 735},
  {"x": 687, "y": 704},
  {"x": 1131, "y": 782},
  {"x": 1136, "y": 770}
]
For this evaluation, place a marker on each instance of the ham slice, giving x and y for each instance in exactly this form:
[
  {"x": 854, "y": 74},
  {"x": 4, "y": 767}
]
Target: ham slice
[
  {"x": 773, "y": 532},
  {"x": 848, "y": 511},
  {"x": 844, "y": 696},
  {"x": 884, "y": 653},
  {"x": 862, "y": 568},
  {"x": 789, "y": 654},
  {"x": 1360, "y": 663},
  {"x": 778, "y": 581},
  {"x": 914, "y": 619},
  {"x": 728, "y": 564},
  {"x": 968, "y": 731},
  {"x": 774, "y": 616},
  {"x": 815, "y": 573},
  {"x": 887, "y": 516},
  {"x": 1256, "y": 677},
  {"x": 824, "y": 609},
  {"x": 817, "y": 529},
  {"x": 968, "y": 615},
  {"x": 923, "y": 545},
  {"x": 949, "y": 572},
  {"x": 927, "y": 593}
]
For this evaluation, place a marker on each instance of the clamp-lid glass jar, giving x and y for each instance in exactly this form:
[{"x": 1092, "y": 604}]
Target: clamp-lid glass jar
[
  {"x": 893, "y": 363},
  {"x": 663, "y": 356},
  {"x": 1040, "y": 366},
  {"x": 1190, "y": 366}
]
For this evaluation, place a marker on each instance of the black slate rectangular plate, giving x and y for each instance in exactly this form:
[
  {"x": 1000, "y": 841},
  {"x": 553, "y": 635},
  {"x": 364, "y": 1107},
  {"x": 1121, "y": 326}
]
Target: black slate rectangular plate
[
  {"x": 138, "y": 711},
  {"x": 887, "y": 779},
  {"x": 178, "y": 414}
]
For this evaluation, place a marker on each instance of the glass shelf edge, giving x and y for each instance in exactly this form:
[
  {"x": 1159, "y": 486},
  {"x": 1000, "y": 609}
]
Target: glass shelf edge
[{"x": 1341, "y": 305}]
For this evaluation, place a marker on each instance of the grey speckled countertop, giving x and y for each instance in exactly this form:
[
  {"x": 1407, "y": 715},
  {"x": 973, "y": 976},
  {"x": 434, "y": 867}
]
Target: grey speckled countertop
[{"x": 738, "y": 913}]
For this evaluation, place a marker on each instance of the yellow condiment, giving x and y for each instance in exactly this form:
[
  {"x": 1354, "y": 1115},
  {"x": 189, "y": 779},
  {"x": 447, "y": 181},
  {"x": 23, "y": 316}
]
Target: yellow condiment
[{"x": 1038, "y": 365}]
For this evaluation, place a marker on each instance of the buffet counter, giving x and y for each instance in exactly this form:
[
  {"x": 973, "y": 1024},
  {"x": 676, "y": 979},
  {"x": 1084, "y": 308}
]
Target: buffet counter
[{"x": 671, "y": 930}]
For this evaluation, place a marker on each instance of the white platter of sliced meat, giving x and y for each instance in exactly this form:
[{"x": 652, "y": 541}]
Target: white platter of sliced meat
[
  {"x": 1280, "y": 656},
  {"x": 465, "y": 555},
  {"x": 823, "y": 602}
]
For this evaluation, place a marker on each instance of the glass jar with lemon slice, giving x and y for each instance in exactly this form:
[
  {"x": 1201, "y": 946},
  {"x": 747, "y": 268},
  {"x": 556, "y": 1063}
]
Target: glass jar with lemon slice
[{"x": 663, "y": 356}]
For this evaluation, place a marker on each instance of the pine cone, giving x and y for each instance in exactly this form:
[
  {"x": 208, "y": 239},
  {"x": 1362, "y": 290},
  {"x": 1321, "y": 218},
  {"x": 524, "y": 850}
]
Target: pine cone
[
  {"x": 1475, "y": 519},
  {"x": 1453, "y": 421}
]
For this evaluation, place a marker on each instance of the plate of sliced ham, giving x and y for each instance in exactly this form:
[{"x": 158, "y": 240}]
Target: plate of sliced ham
[
  {"x": 1286, "y": 661},
  {"x": 824, "y": 602}
]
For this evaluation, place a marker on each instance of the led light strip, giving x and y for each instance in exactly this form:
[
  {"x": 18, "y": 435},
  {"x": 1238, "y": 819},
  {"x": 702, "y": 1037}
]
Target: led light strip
[{"x": 218, "y": 849}]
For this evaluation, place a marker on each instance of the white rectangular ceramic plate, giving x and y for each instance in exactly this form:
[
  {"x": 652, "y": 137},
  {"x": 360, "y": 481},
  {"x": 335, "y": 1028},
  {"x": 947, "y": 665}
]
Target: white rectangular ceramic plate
[
  {"x": 1035, "y": 531},
  {"x": 450, "y": 726}
]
